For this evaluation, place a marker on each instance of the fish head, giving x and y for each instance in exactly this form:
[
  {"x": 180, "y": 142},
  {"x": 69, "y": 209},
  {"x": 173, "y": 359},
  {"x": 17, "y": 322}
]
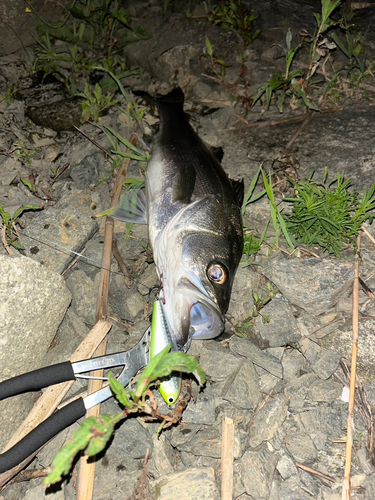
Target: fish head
[{"x": 197, "y": 286}]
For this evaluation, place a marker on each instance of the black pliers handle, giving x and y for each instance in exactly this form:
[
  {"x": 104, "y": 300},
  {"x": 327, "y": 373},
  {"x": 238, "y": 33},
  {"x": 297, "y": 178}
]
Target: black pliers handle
[{"x": 133, "y": 361}]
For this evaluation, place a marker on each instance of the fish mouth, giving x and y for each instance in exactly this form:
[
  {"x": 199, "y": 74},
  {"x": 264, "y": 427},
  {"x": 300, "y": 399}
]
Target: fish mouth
[{"x": 206, "y": 320}]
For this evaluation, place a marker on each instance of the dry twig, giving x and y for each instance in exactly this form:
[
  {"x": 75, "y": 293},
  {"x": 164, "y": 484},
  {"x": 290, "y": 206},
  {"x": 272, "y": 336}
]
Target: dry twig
[{"x": 350, "y": 429}]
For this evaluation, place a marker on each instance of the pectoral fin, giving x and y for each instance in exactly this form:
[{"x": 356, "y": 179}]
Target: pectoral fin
[{"x": 132, "y": 207}]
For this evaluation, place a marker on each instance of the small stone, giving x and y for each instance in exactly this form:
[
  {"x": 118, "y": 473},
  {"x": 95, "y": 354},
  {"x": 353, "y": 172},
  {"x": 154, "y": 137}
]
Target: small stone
[
  {"x": 201, "y": 411},
  {"x": 260, "y": 358},
  {"x": 257, "y": 471},
  {"x": 300, "y": 446},
  {"x": 190, "y": 484},
  {"x": 134, "y": 439},
  {"x": 325, "y": 390},
  {"x": 282, "y": 328},
  {"x": 164, "y": 457},
  {"x": 326, "y": 363},
  {"x": 268, "y": 420},
  {"x": 84, "y": 292},
  {"x": 286, "y": 467}
]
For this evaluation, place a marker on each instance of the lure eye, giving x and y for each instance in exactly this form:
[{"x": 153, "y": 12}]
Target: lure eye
[{"x": 217, "y": 273}]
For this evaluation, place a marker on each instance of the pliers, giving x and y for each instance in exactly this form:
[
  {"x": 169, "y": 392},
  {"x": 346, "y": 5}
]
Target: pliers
[{"x": 132, "y": 360}]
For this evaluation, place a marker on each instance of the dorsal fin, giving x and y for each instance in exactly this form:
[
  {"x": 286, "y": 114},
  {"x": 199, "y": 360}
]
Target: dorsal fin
[{"x": 239, "y": 190}]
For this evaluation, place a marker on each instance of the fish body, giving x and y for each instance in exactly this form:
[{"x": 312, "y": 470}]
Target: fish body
[{"x": 194, "y": 224}]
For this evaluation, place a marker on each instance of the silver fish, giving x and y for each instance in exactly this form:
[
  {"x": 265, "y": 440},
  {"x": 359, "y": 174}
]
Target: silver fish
[{"x": 194, "y": 222}]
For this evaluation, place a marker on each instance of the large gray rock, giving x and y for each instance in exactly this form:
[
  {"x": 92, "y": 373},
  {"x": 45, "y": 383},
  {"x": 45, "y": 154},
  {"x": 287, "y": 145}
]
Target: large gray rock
[
  {"x": 33, "y": 301},
  {"x": 313, "y": 284},
  {"x": 63, "y": 227},
  {"x": 190, "y": 484}
]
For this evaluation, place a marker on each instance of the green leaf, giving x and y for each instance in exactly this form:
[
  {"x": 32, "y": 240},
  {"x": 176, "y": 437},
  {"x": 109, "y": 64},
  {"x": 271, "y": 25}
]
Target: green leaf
[
  {"x": 28, "y": 184},
  {"x": 209, "y": 47},
  {"x": 119, "y": 391},
  {"x": 22, "y": 209},
  {"x": 63, "y": 460}
]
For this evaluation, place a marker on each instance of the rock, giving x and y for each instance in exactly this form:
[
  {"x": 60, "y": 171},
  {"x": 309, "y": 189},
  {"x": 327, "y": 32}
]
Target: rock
[
  {"x": 313, "y": 284},
  {"x": 341, "y": 341},
  {"x": 191, "y": 484},
  {"x": 298, "y": 389},
  {"x": 257, "y": 471},
  {"x": 300, "y": 446},
  {"x": 84, "y": 293},
  {"x": 268, "y": 419},
  {"x": 282, "y": 328},
  {"x": 326, "y": 364},
  {"x": 286, "y": 467},
  {"x": 33, "y": 301},
  {"x": 88, "y": 171},
  {"x": 13, "y": 197},
  {"x": 234, "y": 379},
  {"x": 260, "y": 358},
  {"x": 163, "y": 459},
  {"x": 242, "y": 303},
  {"x": 134, "y": 439},
  {"x": 325, "y": 391},
  {"x": 288, "y": 489},
  {"x": 65, "y": 226},
  {"x": 206, "y": 442},
  {"x": 201, "y": 411},
  {"x": 10, "y": 169},
  {"x": 38, "y": 492}
]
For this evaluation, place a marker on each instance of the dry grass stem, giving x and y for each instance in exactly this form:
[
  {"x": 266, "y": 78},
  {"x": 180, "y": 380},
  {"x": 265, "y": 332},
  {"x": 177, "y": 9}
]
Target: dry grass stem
[
  {"x": 350, "y": 428},
  {"x": 121, "y": 263},
  {"x": 315, "y": 472},
  {"x": 85, "y": 484}
]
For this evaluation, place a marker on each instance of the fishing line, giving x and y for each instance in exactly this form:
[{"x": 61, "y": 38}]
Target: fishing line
[{"x": 91, "y": 262}]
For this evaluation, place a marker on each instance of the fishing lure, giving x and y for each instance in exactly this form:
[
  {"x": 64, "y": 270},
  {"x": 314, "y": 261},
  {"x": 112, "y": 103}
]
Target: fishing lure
[{"x": 160, "y": 337}]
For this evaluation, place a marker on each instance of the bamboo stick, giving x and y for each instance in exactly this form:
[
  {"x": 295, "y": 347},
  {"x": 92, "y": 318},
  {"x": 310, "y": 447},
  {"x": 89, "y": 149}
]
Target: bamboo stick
[
  {"x": 85, "y": 484},
  {"x": 227, "y": 455},
  {"x": 353, "y": 370}
]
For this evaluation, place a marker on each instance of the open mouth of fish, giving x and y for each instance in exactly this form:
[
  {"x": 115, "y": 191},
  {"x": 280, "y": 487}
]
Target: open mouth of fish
[{"x": 204, "y": 319}]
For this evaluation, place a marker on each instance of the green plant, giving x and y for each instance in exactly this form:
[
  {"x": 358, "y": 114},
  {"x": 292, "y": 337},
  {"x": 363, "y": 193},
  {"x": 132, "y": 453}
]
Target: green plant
[
  {"x": 288, "y": 85},
  {"x": 8, "y": 95},
  {"x": 9, "y": 231},
  {"x": 329, "y": 215},
  {"x": 94, "y": 433},
  {"x": 234, "y": 16},
  {"x": 238, "y": 96},
  {"x": 95, "y": 103},
  {"x": 260, "y": 302},
  {"x": 22, "y": 153},
  {"x": 92, "y": 34}
]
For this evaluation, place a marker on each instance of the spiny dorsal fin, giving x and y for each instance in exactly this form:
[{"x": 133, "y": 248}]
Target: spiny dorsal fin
[{"x": 239, "y": 190}]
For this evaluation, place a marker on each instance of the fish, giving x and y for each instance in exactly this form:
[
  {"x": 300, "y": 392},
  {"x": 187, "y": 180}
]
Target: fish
[
  {"x": 170, "y": 388},
  {"x": 195, "y": 228}
]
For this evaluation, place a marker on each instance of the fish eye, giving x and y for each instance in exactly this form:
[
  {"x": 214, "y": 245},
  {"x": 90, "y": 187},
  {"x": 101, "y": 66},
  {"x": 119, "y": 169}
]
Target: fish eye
[{"x": 217, "y": 273}]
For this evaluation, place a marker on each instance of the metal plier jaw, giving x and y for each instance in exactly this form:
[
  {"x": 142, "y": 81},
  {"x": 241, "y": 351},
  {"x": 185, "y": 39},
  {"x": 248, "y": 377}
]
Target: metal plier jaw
[{"x": 132, "y": 360}]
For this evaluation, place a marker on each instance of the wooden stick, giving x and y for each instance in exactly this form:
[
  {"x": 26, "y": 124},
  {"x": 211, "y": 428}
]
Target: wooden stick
[
  {"x": 315, "y": 472},
  {"x": 85, "y": 484},
  {"x": 227, "y": 454},
  {"x": 53, "y": 396},
  {"x": 350, "y": 429}
]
